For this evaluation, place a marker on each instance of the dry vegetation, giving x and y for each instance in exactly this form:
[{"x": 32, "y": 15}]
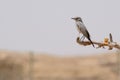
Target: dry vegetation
[{"x": 16, "y": 66}]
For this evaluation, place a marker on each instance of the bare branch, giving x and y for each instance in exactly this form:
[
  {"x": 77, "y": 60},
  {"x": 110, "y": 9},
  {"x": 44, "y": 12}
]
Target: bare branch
[{"x": 110, "y": 44}]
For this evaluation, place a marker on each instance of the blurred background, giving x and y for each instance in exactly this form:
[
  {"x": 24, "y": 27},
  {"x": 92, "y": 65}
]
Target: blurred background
[
  {"x": 38, "y": 40},
  {"x": 33, "y": 66}
]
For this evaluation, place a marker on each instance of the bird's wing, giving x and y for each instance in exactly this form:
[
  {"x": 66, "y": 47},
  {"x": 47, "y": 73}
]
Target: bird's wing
[{"x": 83, "y": 29}]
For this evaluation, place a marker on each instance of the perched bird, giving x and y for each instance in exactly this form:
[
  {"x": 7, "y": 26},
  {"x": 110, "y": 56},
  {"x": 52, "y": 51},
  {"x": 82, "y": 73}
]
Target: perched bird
[{"x": 82, "y": 29}]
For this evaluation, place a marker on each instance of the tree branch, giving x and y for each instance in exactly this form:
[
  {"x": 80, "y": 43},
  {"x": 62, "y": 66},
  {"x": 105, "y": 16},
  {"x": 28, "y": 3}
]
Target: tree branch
[{"x": 110, "y": 44}]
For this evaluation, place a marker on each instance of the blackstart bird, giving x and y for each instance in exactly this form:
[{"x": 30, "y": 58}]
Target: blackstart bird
[{"x": 82, "y": 29}]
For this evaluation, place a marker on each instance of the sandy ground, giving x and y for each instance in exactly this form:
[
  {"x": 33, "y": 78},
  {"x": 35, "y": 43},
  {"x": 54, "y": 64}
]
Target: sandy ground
[{"x": 28, "y": 66}]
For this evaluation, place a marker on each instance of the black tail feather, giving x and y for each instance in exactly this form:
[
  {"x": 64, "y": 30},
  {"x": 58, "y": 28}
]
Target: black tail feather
[{"x": 91, "y": 42}]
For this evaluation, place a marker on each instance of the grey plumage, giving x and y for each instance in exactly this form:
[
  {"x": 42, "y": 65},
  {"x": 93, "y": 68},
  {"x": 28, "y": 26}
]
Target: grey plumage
[{"x": 82, "y": 29}]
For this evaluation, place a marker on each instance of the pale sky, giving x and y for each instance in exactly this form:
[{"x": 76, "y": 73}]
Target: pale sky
[{"x": 46, "y": 25}]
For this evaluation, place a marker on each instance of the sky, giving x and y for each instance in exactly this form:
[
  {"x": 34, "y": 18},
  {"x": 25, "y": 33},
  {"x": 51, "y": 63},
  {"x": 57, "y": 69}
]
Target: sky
[{"x": 46, "y": 25}]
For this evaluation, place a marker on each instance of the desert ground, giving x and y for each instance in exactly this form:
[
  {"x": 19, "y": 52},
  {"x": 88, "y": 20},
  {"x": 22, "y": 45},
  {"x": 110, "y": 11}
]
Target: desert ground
[{"x": 33, "y": 66}]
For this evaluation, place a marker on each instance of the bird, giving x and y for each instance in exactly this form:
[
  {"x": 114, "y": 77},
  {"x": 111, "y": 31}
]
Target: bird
[{"x": 82, "y": 29}]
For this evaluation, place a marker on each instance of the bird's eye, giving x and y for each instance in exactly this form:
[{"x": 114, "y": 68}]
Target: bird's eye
[{"x": 78, "y": 19}]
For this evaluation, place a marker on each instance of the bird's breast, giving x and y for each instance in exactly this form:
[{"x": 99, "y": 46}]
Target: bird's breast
[{"x": 78, "y": 27}]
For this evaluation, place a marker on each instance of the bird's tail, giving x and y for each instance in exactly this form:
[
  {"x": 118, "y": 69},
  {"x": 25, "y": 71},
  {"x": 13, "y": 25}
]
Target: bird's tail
[{"x": 91, "y": 42}]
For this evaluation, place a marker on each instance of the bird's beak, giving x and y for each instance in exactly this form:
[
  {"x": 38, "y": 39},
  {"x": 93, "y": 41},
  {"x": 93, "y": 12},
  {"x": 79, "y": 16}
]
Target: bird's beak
[{"x": 73, "y": 18}]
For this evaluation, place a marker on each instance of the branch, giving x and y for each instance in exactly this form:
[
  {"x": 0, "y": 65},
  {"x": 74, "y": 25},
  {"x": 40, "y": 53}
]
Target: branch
[{"x": 110, "y": 44}]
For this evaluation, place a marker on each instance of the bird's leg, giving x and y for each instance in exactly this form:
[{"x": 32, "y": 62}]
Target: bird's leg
[{"x": 82, "y": 38}]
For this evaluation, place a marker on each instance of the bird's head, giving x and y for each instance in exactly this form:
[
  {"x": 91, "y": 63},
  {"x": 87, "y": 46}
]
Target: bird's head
[{"x": 77, "y": 19}]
